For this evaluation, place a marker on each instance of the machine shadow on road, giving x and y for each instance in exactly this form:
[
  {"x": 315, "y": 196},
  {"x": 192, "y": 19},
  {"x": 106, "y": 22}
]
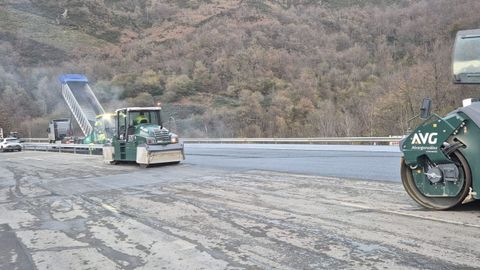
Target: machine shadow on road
[
  {"x": 469, "y": 207},
  {"x": 150, "y": 166}
]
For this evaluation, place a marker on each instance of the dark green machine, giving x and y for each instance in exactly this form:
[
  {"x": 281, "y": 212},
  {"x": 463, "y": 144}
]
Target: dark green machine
[
  {"x": 439, "y": 167},
  {"x": 140, "y": 137}
]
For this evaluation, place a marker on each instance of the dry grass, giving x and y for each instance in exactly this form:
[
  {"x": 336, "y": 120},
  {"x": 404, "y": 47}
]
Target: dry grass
[{"x": 42, "y": 30}]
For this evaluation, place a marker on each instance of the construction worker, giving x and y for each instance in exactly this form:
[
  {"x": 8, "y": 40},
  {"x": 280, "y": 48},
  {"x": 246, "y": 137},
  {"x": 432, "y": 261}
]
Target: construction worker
[
  {"x": 141, "y": 119},
  {"x": 101, "y": 138}
]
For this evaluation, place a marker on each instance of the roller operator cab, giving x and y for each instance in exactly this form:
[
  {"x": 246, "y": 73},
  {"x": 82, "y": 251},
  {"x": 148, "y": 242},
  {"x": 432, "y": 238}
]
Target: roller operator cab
[
  {"x": 439, "y": 167},
  {"x": 140, "y": 136}
]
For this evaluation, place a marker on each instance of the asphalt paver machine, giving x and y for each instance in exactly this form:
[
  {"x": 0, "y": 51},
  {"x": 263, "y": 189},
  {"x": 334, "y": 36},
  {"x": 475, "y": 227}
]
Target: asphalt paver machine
[{"x": 439, "y": 167}]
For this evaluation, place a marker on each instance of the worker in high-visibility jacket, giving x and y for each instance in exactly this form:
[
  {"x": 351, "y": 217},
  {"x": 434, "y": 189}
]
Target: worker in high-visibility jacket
[
  {"x": 141, "y": 119},
  {"x": 101, "y": 138}
]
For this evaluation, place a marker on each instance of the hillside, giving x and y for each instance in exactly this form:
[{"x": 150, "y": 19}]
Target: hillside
[{"x": 236, "y": 67}]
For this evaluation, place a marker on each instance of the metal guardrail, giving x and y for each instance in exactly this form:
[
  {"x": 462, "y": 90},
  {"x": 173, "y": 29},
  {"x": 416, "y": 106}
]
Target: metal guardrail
[
  {"x": 319, "y": 140},
  {"x": 39, "y": 144},
  {"x": 90, "y": 149},
  {"x": 38, "y": 140},
  {"x": 390, "y": 139}
]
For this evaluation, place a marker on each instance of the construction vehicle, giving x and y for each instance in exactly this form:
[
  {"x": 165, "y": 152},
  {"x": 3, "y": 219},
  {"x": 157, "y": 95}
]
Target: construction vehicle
[
  {"x": 58, "y": 130},
  {"x": 131, "y": 134},
  {"x": 96, "y": 125},
  {"x": 141, "y": 137},
  {"x": 438, "y": 167},
  {"x": 14, "y": 134},
  {"x": 82, "y": 102},
  {"x": 103, "y": 129}
]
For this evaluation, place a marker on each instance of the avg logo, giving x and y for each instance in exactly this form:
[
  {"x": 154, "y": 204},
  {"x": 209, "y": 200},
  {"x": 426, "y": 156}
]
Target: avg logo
[{"x": 430, "y": 138}]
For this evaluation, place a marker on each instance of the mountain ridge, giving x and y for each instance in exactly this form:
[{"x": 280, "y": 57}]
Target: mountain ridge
[{"x": 237, "y": 67}]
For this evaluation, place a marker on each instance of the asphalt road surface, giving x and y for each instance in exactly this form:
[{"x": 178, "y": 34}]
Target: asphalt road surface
[
  {"x": 345, "y": 161},
  {"x": 65, "y": 211}
]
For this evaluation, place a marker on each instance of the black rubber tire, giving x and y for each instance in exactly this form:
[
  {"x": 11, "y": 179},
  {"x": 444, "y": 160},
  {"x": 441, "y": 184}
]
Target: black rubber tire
[{"x": 437, "y": 203}]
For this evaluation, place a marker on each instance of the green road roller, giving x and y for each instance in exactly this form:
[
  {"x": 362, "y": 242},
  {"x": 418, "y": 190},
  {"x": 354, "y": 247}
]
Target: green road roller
[
  {"x": 140, "y": 137},
  {"x": 439, "y": 168}
]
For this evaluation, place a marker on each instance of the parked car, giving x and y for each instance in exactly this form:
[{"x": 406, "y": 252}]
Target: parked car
[{"x": 10, "y": 144}]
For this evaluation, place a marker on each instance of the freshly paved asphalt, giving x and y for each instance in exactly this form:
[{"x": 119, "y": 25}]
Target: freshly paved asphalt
[{"x": 342, "y": 161}]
